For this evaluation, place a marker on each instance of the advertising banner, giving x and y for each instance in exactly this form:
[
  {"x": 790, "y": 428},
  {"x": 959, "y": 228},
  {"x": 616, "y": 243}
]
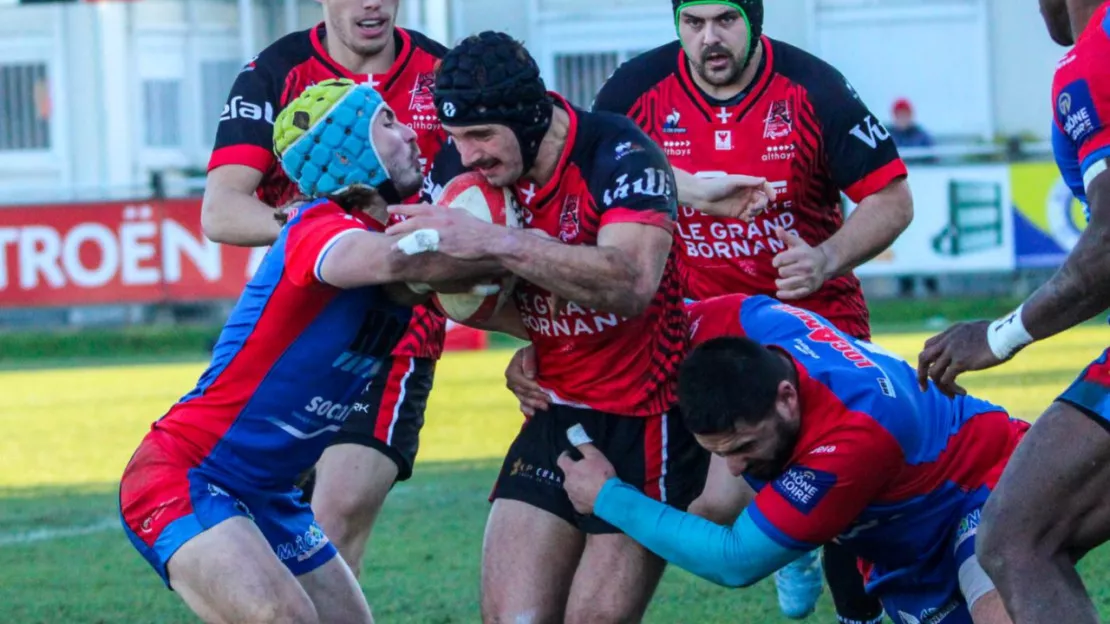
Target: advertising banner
[
  {"x": 1047, "y": 217},
  {"x": 115, "y": 252},
  {"x": 962, "y": 223}
]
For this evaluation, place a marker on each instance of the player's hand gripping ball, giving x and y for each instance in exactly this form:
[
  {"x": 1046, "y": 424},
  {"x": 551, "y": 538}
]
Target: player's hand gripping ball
[{"x": 472, "y": 193}]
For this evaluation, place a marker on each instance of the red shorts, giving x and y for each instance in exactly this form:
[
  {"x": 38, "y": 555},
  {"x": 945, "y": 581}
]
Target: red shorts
[{"x": 166, "y": 499}]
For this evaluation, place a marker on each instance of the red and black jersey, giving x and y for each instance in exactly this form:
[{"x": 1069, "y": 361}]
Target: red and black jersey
[
  {"x": 609, "y": 172},
  {"x": 801, "y": 126},
  {"x": 286, "y": 68}
]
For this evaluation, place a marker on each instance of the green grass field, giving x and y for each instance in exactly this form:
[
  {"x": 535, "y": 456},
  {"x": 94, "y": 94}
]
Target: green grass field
[{"x": 69, "y": 431}]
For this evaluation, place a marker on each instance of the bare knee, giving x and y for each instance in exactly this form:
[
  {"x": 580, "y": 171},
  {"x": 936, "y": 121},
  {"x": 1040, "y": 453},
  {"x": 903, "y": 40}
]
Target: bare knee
[{"x": 284, "y": 611}]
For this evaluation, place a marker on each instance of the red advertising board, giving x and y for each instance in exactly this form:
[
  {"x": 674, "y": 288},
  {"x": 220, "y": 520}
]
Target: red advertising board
[{"x": 115, "y": 252}]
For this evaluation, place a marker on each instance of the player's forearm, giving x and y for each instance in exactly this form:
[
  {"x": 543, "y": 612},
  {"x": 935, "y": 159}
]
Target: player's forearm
[
  {"x": 602, "y": 278},
  {"x": 434, "y": 267},
  {"x": 871, "y": 228},
  {"x": 689, "y": 192},
  {"x": 507, "y": 321},
  {"x": 1076, "y": 292},
  {"x": 736, "y": 556},
  {"x": 234, "y": 218}
]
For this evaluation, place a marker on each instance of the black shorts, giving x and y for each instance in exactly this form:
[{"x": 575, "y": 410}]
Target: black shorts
[
  {"x": 390, "y": 413},
  {"x": 655, "y": 454}
]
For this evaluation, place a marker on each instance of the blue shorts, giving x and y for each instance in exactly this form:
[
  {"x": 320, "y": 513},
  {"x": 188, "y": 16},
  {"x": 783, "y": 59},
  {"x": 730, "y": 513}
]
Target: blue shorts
[
  {"x": 1090, "y": 392},
  {"x": 932, "y": 592},
  {"x": 165, "y": 502}
]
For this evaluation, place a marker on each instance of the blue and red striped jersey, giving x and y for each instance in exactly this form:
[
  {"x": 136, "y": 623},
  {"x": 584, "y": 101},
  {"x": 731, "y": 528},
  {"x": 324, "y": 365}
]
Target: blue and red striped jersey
[
  {"x": 1081, "y": 101},
  {"x": 292, "y": 358},
  {"x": 880, "y": 466}
]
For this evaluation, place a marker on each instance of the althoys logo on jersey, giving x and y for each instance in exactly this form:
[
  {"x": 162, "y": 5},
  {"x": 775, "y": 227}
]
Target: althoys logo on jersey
[
  {"x": 238, "y": 108},
  {"x": 821, "y": 333}
]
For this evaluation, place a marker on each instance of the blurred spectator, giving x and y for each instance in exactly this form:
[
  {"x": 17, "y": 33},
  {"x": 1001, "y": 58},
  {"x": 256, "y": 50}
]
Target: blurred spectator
[
  {"x": 907, "y": 133},
  {"x": 904, "y": 130}
]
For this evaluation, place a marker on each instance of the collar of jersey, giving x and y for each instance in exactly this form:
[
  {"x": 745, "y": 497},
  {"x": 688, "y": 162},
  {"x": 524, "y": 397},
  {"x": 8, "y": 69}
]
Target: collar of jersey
[
  {"x": 403, "y": 48},
  {"x": 751, "y": 94},
  {"x": 548, "y": 190}
]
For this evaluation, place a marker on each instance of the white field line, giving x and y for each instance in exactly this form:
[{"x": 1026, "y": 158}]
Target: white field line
[{"x": 19, "y": 538}]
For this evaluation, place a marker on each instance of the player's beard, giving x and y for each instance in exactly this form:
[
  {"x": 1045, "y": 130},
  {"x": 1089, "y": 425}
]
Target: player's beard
[
  {"x": 771, "y": 469},
  {"x": 729, "y": 75},
  {"x": 406, "y": 176}
]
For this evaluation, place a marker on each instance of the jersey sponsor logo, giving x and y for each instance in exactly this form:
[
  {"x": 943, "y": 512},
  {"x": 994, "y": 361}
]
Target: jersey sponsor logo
[
  {"x": 804, "y": 487},
  {"x": 722, "y": 139},
  {"x": 870, "y": 132},
  {"x": 626, "y": 148},
  {"x": 670, "y": 123},
  {"x": 569, "y": 219},
  {"x": 779, "y": 121},
  {"x": 422, "y": 100},
  {"x": 651, "y": 183},
  {"x": 801, "y": 346},
  {"x": 779, "y": 152},
  {"x": 967, "y": 528},
  {"x": 931, "y": 615},
  {"x": 734, "y": 239},
  {"x": 328, "y": 409},
  {"x": 542, "y": 314},
  {"x": 303, "y": 546},
  {"x": 238, "y": 108},
  {"x": 677, "y": 148},
  {"x": 824, "y": 450},
  {"x": 821, "y": 333},
  {"x": 1076, "y": 112}
]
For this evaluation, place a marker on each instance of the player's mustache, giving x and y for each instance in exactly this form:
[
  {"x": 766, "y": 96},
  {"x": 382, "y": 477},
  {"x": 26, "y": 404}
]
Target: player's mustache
[
  {"x": 486, "y": 163},
  {"x": 715, "y": 49}
]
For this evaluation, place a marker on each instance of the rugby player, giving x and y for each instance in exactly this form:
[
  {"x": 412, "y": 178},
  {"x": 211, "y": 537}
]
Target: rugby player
[
  {"x": 792, "y": 404},
  {"x": 1051, "y": 506},
  {"x": 725, "y": 99},
  {"x": 209, "y": 497},
  {"x": 357, "y": 40},
  {"x": 601, "y": 303}
]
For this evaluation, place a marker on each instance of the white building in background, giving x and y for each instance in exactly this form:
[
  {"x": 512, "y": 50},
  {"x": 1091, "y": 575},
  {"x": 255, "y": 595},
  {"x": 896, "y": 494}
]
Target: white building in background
[{"x": 94, "y": 97}]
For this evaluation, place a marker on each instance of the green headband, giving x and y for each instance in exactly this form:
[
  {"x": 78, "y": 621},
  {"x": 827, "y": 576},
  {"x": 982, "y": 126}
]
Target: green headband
[{"x": 691, "y": 3}]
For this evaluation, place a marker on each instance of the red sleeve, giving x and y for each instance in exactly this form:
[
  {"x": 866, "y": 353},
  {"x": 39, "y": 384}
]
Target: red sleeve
[
  {"x": 629, "y": 215},
  {"x": 310, "y": 235},
  {"x": 715, "y": 318},
  {"x": 827, "y": 487}
]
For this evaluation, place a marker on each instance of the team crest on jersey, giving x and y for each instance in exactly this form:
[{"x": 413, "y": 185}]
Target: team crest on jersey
[
  {"x": 779, "y": 122},
  {"x": 570, "y": 220},
  {"x": 423, "y": 100}
]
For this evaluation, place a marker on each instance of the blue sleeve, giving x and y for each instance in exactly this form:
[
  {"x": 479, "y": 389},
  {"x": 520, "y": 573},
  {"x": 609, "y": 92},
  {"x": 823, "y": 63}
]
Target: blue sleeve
[
  {"x": 735, "y": 556},
  {"x": 1067, "y": 159}
]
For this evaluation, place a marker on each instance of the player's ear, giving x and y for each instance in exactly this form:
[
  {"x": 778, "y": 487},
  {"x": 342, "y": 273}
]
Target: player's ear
[{"x": 787, "y": 400}]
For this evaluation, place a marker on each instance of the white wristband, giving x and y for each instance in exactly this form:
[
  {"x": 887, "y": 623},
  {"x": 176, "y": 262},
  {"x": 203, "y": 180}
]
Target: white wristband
[
  {"x": 419, "y": 241},
  {"x": 1007, "y": 335}
]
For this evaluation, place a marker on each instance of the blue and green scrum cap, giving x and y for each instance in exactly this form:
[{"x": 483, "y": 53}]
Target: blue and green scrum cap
[
  {"x": 323, "y": 140},
  {"x": 750, "y": 10}
]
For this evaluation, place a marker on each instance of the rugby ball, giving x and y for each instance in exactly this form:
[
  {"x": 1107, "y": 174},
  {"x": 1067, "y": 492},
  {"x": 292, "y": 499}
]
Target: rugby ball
[{"x": 472, "y": 193}]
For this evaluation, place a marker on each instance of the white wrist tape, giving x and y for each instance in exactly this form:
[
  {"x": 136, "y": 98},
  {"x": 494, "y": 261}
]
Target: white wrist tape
[
  {"x": 419, "y": 241},
  {"x": 578, "y": 436},
  {"x": 1007, "y": 335}
]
